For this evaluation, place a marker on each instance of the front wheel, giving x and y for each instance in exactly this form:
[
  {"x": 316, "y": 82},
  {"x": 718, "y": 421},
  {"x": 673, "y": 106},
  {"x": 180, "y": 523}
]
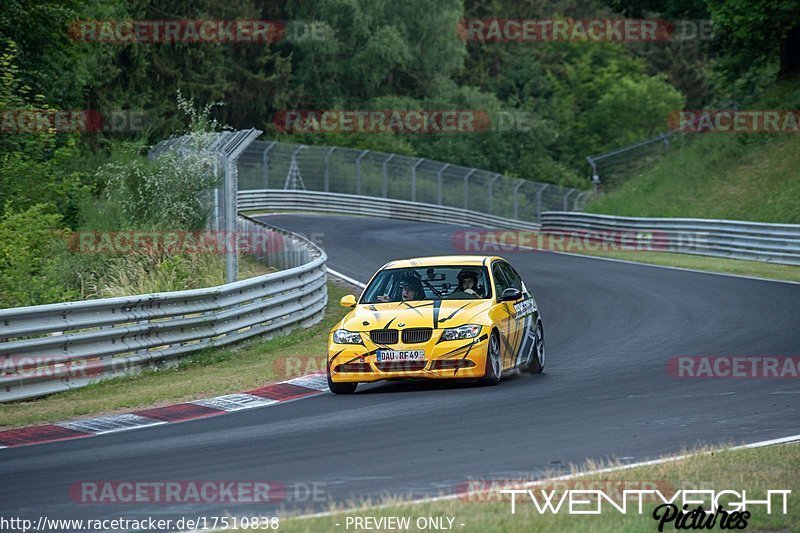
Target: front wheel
[
  {"x": 537, "y": 356},
  {"x": 494, "y": 364}
]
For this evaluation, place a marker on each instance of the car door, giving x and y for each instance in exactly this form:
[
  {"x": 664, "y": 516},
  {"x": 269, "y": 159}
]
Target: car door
[
  {"x": 505, "y": 317},
  {"x": 524, "y": 316}
]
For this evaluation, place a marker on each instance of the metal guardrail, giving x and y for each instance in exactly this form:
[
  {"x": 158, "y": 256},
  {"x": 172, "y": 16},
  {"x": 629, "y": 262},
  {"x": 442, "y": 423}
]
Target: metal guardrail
[
  {"x": 348, "y": 204},
  {"x": 364, "y": 173},
  {"x": 757, "y": 241},
  {"x": 51, "y": 348}
]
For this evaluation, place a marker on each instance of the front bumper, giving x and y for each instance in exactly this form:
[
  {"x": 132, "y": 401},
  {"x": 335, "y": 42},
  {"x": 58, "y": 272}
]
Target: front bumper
[{"x": 465, "y": 358}]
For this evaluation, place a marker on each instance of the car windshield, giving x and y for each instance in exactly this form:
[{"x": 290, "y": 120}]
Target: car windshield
[{"x": 428, "y": 283}]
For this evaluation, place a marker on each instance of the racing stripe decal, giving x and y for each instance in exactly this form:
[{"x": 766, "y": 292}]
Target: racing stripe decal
[
  {"x": 412, "y": 307},
  {"x": 389, "y": 323},
  {"x": 451, "y": 315},
  {"x": 437, "y": 305}
]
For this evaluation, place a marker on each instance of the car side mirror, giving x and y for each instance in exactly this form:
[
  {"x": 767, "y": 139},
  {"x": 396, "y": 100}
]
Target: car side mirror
[
  {"x": 348, "y": 301},
  {"x": 511, "y": 295}
]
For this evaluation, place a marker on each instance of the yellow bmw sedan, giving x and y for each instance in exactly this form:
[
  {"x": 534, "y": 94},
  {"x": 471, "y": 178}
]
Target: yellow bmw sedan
[{"x": 449, "y": 317}]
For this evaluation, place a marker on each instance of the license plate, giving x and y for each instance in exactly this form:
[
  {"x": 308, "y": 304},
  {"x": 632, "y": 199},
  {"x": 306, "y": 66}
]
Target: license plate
[{"x": 385, "y": 356}]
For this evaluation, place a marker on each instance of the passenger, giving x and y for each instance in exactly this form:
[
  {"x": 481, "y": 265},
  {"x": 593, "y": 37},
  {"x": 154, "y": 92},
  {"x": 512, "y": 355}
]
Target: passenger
[{"x": 468, "y": 283}]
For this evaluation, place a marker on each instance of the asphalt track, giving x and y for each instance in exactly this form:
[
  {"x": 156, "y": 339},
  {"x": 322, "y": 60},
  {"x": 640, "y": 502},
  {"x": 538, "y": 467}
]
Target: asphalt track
[{"x": 610, "y": 329}]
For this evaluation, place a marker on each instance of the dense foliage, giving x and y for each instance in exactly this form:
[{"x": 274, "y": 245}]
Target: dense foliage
[{"x": 578, "y": 98}]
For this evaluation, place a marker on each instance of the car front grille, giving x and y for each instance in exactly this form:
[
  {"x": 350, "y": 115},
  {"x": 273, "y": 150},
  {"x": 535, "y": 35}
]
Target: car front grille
[
  {"x": 383, "y": 336},
  {"x": 401, "y": 366},
  {"x": 413, "y": 336}
]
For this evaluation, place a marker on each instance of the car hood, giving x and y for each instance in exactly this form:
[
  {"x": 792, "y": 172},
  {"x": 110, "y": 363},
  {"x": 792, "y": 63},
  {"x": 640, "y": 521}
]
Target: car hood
[{"x": 435, "y": 314}]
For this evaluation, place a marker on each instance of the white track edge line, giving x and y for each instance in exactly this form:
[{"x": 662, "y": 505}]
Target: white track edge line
[
  {"x": 760, "y": 444},
  {"x": 348, "y": 279}
]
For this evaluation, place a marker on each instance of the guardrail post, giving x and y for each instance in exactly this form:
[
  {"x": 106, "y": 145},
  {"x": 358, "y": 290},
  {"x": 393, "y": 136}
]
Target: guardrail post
[
  {"x": 385, "y": 187},
  {"x": 466, "y": 187},
  {"x": 516, "y": 199},
  {"x": 491, "y": 193},
  {"x": 439, "y": 183},
  {"x": 328, "y": 169},
  {"x": 265, "y": 163},
  {"x": 358, "y": 171},
  {"x": 414, "y": 179}
]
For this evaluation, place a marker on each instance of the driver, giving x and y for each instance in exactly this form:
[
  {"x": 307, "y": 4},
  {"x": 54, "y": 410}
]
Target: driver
[
  {"x": 468, "y": 282},
  {"x": 411, "y": 288}
]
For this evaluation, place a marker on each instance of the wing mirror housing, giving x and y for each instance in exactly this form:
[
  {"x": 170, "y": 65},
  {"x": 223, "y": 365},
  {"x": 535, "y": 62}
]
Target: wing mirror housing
[
  {"x": 511, "y": 295},
  {"x": 348, "y": 301}
]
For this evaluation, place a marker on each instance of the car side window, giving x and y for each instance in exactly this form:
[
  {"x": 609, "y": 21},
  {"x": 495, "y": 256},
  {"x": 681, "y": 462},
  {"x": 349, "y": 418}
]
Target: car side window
[
  {"x": 501, "y": 282},
  {"x": 514, "y": 279}
]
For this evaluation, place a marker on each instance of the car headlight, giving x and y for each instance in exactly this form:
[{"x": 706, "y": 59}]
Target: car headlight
[
  {"x": 343, "y": 336},
  {"x": 462, "y": 332}
]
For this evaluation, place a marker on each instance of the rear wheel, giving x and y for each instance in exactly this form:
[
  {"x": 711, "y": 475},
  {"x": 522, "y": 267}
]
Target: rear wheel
[
  {"x": 340, "y": 388},
  {"x": 537, "y": 357},
  {"x": 494, "y": 364}
]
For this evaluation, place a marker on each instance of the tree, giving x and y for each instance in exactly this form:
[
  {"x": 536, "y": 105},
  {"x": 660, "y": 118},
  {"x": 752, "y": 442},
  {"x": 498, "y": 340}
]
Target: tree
[{"x": 758, "y": 31}]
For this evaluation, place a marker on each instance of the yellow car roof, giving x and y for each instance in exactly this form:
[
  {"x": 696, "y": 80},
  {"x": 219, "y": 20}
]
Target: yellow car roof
[{"x": 442, "y": 260}]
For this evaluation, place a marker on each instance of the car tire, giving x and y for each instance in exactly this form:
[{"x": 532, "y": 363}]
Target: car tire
[
  {"x": 494, "y": 364},
  {"x": 340, "y": 388},
  {"x": 537, "y": 356}
]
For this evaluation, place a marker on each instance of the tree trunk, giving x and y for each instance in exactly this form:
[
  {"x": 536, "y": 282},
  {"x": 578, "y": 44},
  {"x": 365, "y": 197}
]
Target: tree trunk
[{"x": 790, "y": 53}]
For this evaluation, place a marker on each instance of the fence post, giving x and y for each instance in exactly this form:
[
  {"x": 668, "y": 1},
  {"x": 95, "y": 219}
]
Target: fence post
[
  {"x": 491, "y": 193},
  {"x": 358, "y": 171},
  {"x": 231, "y": 255},
  {"x": 414, "y": 179},
  {"x": 328, "y": 169},
  {"x": 439, "y": 183},
  {"x": 466, "y": 187},
  {"x": 566, "y": 198},
  {"x": 539, "y": 202},
  {"x": 265, "y": 163},
  {"x": 516, "y": 199},
  {"x": 386, "y": 175}
]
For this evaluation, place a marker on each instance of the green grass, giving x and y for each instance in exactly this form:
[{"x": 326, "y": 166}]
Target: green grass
[
  {"x": 740, "y": 176},
  {"x": 209, "y": 373},
  {"x": 755, "y": 470}
]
